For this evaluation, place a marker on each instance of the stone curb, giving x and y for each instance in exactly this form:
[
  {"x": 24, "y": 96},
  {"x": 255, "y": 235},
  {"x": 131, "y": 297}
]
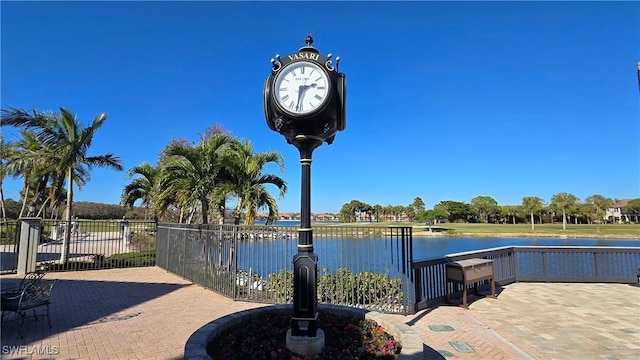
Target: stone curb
[{"x": 196, "y": 346}]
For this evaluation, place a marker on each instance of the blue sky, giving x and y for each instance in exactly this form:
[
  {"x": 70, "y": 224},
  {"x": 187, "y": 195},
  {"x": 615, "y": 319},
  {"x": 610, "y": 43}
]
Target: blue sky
[{"x": 445, "y": 100}]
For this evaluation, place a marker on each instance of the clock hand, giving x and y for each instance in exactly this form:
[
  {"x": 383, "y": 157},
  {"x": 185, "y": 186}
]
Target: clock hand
[{"x": 301, "y": 91}]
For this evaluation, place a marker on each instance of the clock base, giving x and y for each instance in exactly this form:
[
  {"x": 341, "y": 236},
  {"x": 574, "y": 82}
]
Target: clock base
[{"x": 305, "y": 345}]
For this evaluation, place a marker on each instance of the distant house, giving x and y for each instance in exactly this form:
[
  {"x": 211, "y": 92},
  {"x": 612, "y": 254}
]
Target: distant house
[
  {"x": 262, "y": 216},
  {"x": 615, "y": 214},
  {"x": 284, "y": 216},
  {"x": 325, "y": 217}
]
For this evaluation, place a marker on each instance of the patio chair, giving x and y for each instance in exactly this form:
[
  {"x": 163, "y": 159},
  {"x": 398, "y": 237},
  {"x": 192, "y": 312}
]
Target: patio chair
[
  {"x": 32, "y": 297},
  {"x": 29, "y": 278}
]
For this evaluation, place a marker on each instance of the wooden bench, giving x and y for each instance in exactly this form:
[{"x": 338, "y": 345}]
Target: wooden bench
[
  {"x": 470, "y": 271},
  {"x": 33, "y": 296}
]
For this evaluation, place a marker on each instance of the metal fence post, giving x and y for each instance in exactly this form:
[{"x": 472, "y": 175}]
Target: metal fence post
[{"x": 28, "y": 249}]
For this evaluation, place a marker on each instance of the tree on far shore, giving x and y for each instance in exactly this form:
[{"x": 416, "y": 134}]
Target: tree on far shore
[
  {"x": 532, "y": 205},
  {"x": 485, "y": 207},
  {"x": 596, "y": 207},
  {"x": 632, "y": 209},
  {"x": 564, "y": 201}
]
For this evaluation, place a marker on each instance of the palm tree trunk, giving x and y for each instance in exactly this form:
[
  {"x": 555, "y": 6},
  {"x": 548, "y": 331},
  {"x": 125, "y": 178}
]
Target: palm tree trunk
[
  {"x": 533, "y": 222},
  {"x": 221, "y": 208},
  {"x": 191, "y": 215},
  {"x": 205, "y": 211},
  {"x": 238, "y": 213},
  {"x": 24, "y": 199},
  {"x": 66, "y": 240},
  {"x": 564, "y": 220},
  {"x": 250, "y": 217},
  {"x": 4, "y": 212},
  {"x": 42, "y": 207}
]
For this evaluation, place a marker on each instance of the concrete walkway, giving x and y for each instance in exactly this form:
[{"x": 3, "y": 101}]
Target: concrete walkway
[{"x": 148, "y": 313}]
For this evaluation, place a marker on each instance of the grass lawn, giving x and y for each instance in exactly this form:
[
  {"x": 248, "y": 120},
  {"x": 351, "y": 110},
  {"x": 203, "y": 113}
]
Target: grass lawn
[{"x": 617, "y": 231}]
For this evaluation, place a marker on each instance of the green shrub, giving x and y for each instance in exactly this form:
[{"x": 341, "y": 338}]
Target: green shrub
[
  {"x": 280, "y": 286},
  {"x": 342, "y": 287},
  {"x": 140, "y": 258},
  {"x": 143, "y": 241},
  {"x": 364, "y": 288}
]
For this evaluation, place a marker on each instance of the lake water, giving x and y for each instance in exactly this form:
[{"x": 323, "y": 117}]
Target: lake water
[
  {"x": 431, "y": 247},
  {"x": 383, "y": 255}
]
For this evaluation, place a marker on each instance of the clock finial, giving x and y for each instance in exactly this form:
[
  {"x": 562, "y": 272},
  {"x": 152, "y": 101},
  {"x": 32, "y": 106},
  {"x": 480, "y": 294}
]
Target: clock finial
[{"x": 309, "y": 40}]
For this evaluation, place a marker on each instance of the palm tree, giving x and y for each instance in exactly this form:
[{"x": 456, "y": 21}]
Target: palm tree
[
  {"x": 191, "y": 174},
  {"x": 532, "y": 205},
  {"x": 57, "y": 193},
  {"x": 143, "y": 187},
  {"x": 29, "y": 158},
  {"x": 378, "y": 209},
  {"x": 563, "y": 201},
  {"x": 70, "y": 141},
  {"x": 244, "y": 178},
  {"x": 3, "y": 157}
]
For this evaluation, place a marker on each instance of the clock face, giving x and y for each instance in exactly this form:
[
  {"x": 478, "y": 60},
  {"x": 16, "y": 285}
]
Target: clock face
[{"x": 301, "y": 88}]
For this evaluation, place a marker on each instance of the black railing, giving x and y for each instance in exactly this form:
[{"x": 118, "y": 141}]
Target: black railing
[
  {"x": 92, "y": 244},
  {"x": 9, "y": 237},
  {"x": 366, "y": 267},
  {"x": 531, "y": 263}
]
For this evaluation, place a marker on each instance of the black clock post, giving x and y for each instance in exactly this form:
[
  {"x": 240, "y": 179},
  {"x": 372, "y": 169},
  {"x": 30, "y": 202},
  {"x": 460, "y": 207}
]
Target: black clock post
[{"x": 304, "y": 100}]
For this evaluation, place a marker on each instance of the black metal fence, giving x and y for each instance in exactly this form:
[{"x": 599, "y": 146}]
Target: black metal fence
[
  {"x": 93, "y": 244},
  {"x": 9, "y": 235},
  {"x": 367, "y": 267},
  {"x": 531, "y": 263}
]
